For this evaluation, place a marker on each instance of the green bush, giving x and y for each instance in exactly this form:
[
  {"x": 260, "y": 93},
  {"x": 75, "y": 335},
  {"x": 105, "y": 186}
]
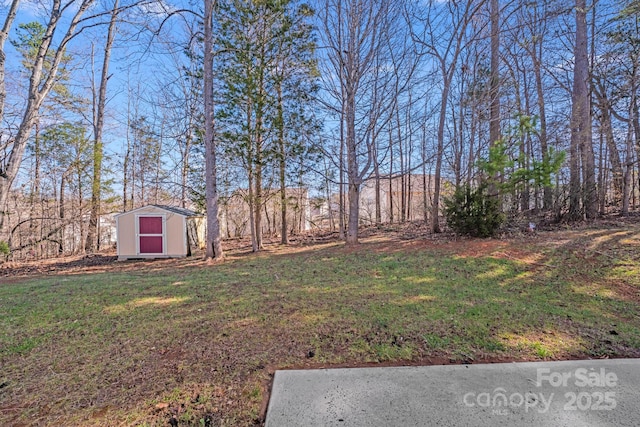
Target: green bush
[
  {"x": 4, "y": 248},
  {"x": 473, "y": 212}
]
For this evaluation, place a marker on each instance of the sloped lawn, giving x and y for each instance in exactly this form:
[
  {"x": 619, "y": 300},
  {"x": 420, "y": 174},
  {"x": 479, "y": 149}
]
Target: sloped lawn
[{"x": 146, "y": 342}]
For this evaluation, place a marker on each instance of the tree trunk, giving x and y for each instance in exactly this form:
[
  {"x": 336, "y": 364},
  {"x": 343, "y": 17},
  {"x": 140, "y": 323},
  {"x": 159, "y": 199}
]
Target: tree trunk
[
  {"x": 526, "y": 153},
  {"x": 341, "y": 201},
  {"x": 4, "y": 33},
  {"x": 633, "y": 129},
  {"x": 425, "y": 208},
  {"x": 635, "y": 119},
  {"x": 409, "y": 157},
  {"x": 62, "y": 213},
  {"x": 494, "y": 82},
  {"x": 376, "y": 173},
  {"x": 391, "y": 216},
  {"x": 626, "y": 188},
  {"x": 92, "y": 242},
  {"x": 252, "y": 209},
  {"x": 213, "y": 241},
  {"x": 352, "y": 167},
  {"x": 258, "y": 203},
  {"x": 547, "y": 198},
  {"x": 581, "y": 150},
  {"x": 612, "y": 146},
  {"x": 582, "y": 83},
  {"x": 435, "y": 206},
  {"x": 35, "y": 190},
  {"x": 328, "y": 193},
  {"x": 401, "y": 157},
  {"x": 354, "y": 201},
  {"x": 284, "y": 238},
  {"x": 184, "y": 171},
  {"x": 494, "y": 87},
  {"x": 125, "y": 168},
  {"x": 603, "y": 174}
]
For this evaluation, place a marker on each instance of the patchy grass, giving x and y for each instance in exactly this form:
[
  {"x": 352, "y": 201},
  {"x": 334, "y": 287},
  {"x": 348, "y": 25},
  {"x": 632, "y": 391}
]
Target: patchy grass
[{"x": 145, "y": 342}]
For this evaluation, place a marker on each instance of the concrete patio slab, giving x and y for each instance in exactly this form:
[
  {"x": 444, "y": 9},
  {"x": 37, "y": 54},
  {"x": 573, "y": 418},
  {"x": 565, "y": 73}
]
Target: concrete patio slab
[{"x": 567, "y": 393}]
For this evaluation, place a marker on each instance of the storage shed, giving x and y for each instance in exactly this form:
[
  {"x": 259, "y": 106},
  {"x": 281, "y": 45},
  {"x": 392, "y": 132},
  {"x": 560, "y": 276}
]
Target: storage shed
[{"x": 158, "y": 231}]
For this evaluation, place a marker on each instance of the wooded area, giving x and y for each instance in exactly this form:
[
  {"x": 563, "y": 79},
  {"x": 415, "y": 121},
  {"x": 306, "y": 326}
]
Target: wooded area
[{"x": 109, "y": 106}]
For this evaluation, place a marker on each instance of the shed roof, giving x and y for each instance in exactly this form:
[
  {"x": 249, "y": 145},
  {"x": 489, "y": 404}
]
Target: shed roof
[{"x": 172, "y": 209}]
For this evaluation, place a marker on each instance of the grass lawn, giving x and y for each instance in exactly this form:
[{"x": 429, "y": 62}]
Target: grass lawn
[{"x": 140, "y": 342}]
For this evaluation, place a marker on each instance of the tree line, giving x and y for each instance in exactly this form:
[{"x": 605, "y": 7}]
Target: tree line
[{"x": 107, "y": 106}]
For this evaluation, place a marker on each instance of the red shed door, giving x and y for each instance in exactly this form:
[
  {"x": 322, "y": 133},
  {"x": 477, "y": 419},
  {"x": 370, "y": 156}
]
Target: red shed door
[{"x": 150, "y": 234}]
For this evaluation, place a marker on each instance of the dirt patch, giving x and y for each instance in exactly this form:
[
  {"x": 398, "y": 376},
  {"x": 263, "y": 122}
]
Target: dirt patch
[
  {"x": 385, "y": 238},
  {"x": 625, "y": 291},
  {"x": 66, "y": 265}
]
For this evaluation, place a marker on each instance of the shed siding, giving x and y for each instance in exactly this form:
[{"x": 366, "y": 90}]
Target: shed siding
[
  {"x": 176, "y": 235},
  {"x": 126, "y": 235}
]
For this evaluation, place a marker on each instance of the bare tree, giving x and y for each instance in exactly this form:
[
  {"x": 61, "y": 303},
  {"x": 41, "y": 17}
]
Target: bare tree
[
  {"x": 442, "y": 36},
  {"x": 354, "y": 33},
  {"x": 537, "y": 23},
  {"x": 43, "y": 78}
]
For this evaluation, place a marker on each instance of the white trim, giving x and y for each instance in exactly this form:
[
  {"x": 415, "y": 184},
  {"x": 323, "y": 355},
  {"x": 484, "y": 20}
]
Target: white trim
[
  {"x": 164, "y": 233},
  {"x": 118, "y": 245},
  {"x": 185, "y": 240},
  {"x": 150, "y": 207}
]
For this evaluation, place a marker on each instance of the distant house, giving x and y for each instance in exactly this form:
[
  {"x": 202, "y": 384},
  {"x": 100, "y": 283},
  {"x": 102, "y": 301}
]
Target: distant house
[
  {"x": 234, "y": 212},
  {"x": 158, "y": 231},
  {"x": 407, "y": 197},
  {"x": 107, "y": 229}
]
